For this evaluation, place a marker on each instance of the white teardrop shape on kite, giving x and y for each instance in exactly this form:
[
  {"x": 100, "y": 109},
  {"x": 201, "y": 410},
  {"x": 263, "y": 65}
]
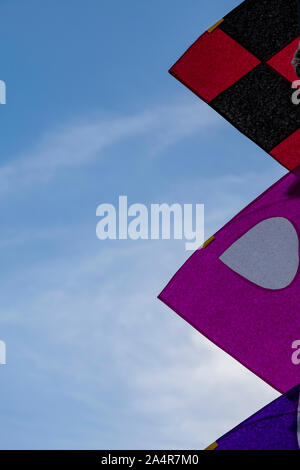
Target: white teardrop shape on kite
[{"x": 267, "y": 255}]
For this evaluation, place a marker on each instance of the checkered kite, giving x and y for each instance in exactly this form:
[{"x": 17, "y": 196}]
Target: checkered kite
[{"x": 242, "y": 68}]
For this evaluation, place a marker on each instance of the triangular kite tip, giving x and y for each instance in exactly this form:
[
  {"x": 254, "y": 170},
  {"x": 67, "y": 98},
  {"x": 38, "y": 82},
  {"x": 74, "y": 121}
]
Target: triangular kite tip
[
  {"x": 160, "y": 296},
  {"x": 172, "y": 71}
]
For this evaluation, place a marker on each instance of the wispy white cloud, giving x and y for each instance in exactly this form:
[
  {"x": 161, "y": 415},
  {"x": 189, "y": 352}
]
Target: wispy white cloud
[
  {"x": 80, "y": 143},
  {"x": 138, "y": 371},
  {"x": 124, "y": 356}
]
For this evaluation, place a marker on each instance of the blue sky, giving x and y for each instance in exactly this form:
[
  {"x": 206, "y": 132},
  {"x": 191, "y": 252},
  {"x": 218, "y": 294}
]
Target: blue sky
[{"x": 94, "y": 360}]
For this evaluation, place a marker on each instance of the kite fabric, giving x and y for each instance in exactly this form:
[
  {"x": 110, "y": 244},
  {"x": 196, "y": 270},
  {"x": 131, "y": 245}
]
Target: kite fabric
[
  {"x": 274, "y": 427},
  {"x": 242, "y": 67},
  {"x": 242, "y": 291}
]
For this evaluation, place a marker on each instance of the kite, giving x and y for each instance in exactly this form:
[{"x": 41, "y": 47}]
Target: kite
[
  {"x": 242, "y": 67},
  {"x": 274, "y": 427},
  {"x": 242, "y": 290}
]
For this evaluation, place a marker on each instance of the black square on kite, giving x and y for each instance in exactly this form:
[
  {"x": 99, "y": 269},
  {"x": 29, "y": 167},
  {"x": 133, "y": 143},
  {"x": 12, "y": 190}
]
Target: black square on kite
[
  {"x": 263, "y": 27},
  {"x": 260, "y": 106}
]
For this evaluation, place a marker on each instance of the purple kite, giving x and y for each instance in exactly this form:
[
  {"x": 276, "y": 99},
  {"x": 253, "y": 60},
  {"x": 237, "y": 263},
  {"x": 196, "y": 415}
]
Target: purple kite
[
  {"x": 275, "y": 427},
  {"x": 242, "y": 290}
]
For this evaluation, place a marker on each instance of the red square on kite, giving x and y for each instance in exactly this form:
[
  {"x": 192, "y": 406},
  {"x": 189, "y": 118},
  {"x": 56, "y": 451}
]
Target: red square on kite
[
  {"x": 287, "y": 151},
  {"x": 212, "y": 64},
  {"x": 283, "y": 59}
]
